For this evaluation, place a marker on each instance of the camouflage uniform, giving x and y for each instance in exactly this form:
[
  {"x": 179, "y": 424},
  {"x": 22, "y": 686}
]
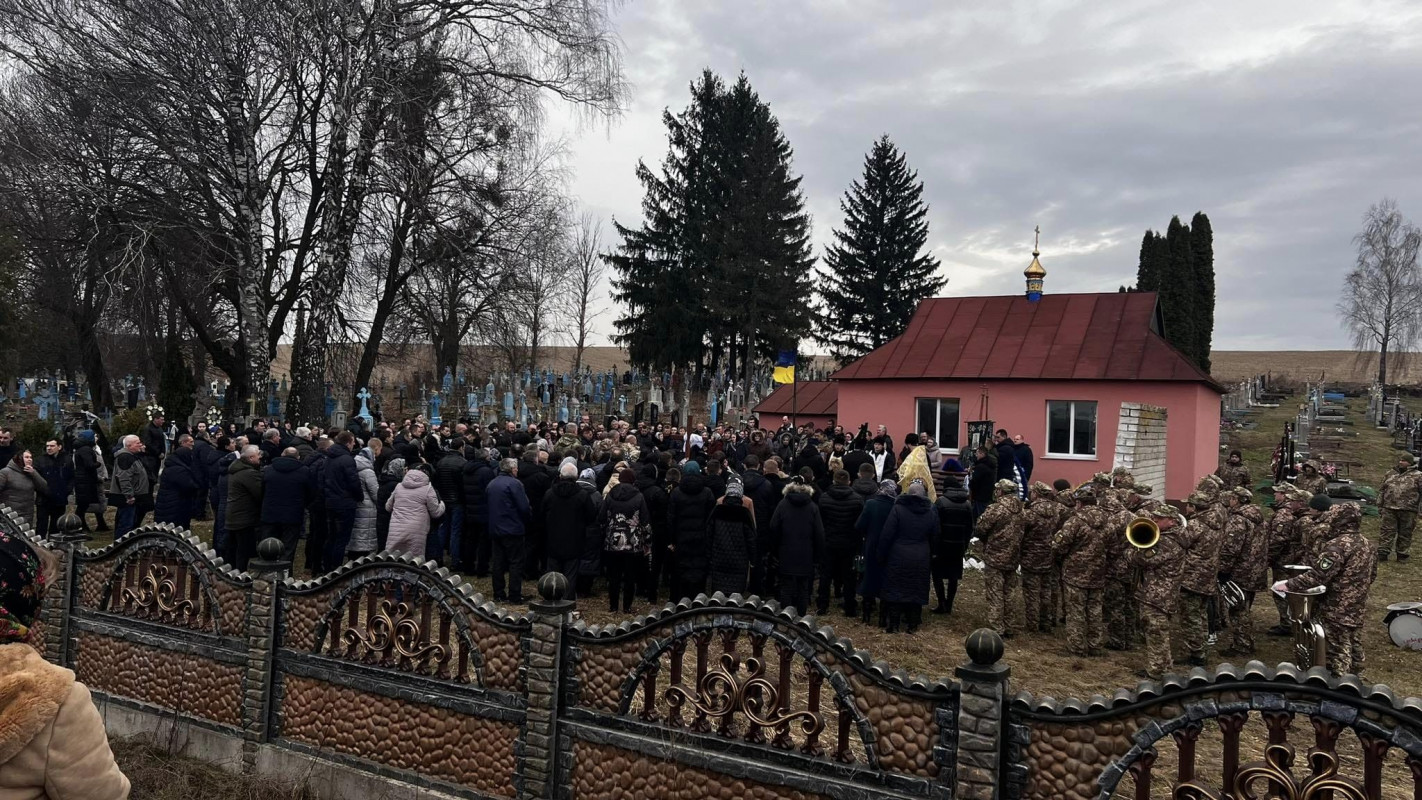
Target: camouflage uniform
[
  {"x": 1202, "y": 539},
  {"x": 1312, "y": 534},
  {"x": 1284, "y": 546},
  {"x": 1312, "y": 482},
  {"x": 1397, "y": 504},
  {"x": 1234, "y": 475},
  {"x": 1000, "y": 530},
  {"x": 1347, "y": 566},
  {"x": 1122, "y": 616},
  {"x": 1082, "y": 545},
  {"x": 1244, "y": 559},
  {"x": 1159, "y": 590},
  {"x": 1041, "y": 521}
]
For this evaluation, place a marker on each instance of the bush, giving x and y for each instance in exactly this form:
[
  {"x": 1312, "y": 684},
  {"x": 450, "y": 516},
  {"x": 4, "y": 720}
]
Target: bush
[{"x": 133, "y": 420}]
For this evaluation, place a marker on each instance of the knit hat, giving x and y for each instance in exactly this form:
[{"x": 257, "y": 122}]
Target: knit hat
[
  {"x": 627, "y": 476},
  {"x": 587, "y": 475},
  {"x": 917, "y": 488},
  {"x": 691, "y": 468},
  {"x": 1320, "y": 502},
  {"x": 888, "y": 488},
  {"x": 87, "y": 437},
  {"x": 1408, "y": 457},
  {"x": 734, "y": 490}
]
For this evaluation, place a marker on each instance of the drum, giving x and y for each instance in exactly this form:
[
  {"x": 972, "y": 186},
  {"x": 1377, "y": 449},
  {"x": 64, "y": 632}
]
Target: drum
[{"x": 1404, "y": 625}]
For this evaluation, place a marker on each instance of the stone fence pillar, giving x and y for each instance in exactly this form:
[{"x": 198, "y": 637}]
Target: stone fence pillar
[
  {"x": 59, "y": 595},
  {"x": 268, "y": 571},
  {"x": 982, "y": 710},
  {"x": 540, "y": 764}
]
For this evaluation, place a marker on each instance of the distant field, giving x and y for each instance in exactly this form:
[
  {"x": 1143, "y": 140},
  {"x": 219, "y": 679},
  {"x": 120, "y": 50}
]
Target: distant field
[{"x": 1338, "y": 366}]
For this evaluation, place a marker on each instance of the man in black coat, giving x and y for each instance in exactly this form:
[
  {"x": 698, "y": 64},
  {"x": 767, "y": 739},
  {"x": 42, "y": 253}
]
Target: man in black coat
[
  {"x": 1006, "y": 457},
  {"x": 287, "y": 492},
  {"x": 57, "y": 469},
  {"x": 797, "y": 543},
  {"x": 449, "y": 485},
  {"x": 177, "y": 493},
  {"x": 568, "y": 512},
  {"x": 315, "y": 464},
  {"x": 536, "y": 482},
  {"x": 809, "y": 456},
  {"x": 1023, "y": 452},
  {"x": 203, "y": 455},
  {"x": 955, "y": 529},
  {"x": 155, "y": 446},
  {"x": 475, "y": 547},
  {"x": 341, "y": 489},
  {"x": 688, "y": 510},
  {"x": 840, "y": 508}
]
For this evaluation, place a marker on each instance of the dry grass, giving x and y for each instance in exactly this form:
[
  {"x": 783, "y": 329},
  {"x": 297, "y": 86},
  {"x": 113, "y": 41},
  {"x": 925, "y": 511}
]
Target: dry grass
[
  {"x": 156, "y": 775},
  {"x": 1333, "y": 366}
]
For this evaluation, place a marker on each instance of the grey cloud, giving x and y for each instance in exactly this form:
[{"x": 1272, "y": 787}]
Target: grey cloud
[{"x": 1095, "y": 123}]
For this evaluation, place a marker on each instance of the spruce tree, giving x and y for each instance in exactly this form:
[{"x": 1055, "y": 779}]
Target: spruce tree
[
  {"x": 723, "y": 253},
  {"x": 1202, "y": 246},
  {"x": 1148, "y": 271},
  {"x": 875, "y": 273},
  {"x": 662, "y": 268}
]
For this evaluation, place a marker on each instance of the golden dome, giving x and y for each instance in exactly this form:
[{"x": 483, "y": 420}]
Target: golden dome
[{"x": 1034, "y": 270}]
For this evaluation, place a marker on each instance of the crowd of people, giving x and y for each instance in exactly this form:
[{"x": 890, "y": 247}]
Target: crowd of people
[{"x": 809, "y": 517}]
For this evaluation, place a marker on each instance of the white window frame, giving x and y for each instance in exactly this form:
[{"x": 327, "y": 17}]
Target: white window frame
[
  {"x": 1071, "y": 432},
  {"x": 938, "y": 411}
]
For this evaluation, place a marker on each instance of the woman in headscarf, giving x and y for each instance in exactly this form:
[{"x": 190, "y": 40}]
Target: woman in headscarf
[
  {"x": 871, "y": 522},
  {"x": 905, "y": 552},
  {"x": 52, "y": 739}
]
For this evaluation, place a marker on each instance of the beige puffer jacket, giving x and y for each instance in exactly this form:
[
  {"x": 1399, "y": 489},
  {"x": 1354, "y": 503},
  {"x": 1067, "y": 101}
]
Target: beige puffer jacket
[{"x": 52, "y": 739}]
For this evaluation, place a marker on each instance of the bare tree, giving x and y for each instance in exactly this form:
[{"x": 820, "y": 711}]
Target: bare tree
[
  {"x": 1382, "y": 297},
  {"x": 588, "y": 270}
]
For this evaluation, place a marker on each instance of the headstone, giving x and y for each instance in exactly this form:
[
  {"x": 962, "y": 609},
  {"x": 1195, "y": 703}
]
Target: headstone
[
  {"x": 435, "y": 402},
  {"x": 330, "y": 404},
  {"x": 448, "y": 382},
  {"x": 508, "y": 405},
  {"x": 273, "y": 402},
  {"x": 562, "y": 408},
  {"x": 489, "y": 392},
  {"x": 523, "y": 410},
  {"x": 23, "y": 389},
  {"x": 142, "y": 391},
  {"x": 622, "y": 405}
]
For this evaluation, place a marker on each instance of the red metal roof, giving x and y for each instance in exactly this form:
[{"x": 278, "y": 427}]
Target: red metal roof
[
  {"x": 813, "y": 398},
  {"x": 1108, "y": 336}
]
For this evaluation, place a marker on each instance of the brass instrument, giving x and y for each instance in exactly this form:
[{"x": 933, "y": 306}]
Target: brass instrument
[
  {"x": 1232, "y": 595},
  {"x": 1142, "y": 532},
  {"x": 1310, "y": 646}
]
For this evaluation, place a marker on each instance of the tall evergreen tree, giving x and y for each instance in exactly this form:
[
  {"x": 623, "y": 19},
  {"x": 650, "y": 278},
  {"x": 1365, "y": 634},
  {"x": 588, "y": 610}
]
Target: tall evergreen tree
[
  {"x": 1202, "y": 246},
  {"x": 723, "y": 254},
  {"x": 875, "y": 275},
  {"x": 1177, "y": 290},
  {"x": 1151, "y": 263}
]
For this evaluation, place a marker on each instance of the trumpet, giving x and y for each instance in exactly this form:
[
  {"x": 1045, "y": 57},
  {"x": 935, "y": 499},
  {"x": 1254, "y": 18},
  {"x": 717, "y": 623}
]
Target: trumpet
[{"x": 1142, "y": 532}]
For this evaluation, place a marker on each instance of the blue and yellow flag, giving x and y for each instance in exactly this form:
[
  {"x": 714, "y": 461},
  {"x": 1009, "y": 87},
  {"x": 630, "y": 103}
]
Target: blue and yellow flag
[{"x": 785, "y": 367}]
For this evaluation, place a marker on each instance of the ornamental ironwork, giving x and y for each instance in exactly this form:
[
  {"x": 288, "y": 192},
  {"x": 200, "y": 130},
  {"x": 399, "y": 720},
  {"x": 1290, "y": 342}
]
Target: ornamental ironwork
[
  {"x": 158, "y": 596},
  {"x": 393, "y": 629},
  {"x": 1275, "y": 776},
  {"x": 725, "y": 691}
]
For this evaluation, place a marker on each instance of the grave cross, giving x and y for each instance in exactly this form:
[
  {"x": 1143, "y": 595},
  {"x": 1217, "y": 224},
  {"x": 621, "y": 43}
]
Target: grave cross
[{"x": 251, "y": 406}]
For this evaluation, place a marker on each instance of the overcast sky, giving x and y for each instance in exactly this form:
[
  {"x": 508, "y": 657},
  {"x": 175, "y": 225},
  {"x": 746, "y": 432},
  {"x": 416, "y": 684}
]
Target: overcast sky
[{"x": 1283, "y": 121}]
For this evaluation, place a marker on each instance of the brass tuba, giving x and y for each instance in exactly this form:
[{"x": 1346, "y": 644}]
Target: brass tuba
[{"x": 1142, "y": 532}]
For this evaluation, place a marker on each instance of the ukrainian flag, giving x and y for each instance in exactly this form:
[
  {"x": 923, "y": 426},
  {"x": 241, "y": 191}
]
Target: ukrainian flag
[{"x": 785, "y": 367}]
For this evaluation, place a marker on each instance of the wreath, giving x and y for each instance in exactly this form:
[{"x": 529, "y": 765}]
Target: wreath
[{"x": 154, "y": 410}]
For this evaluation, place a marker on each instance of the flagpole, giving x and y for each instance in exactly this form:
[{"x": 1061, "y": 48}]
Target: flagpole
[{"x": 794, "y": 392}]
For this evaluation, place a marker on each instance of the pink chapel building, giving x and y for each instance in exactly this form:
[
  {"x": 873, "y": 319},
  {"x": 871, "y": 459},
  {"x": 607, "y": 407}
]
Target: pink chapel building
[{"x": 1087, "y": 379}]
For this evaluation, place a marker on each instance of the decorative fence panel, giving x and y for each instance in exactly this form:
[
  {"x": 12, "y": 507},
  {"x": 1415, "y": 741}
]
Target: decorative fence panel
[
  {"x": 755, "y": 699},
  {"x": 390, "y": 663},
  {"x": 158, "y": 621},
  {"x": 391, "y": 668},
  {"x": 1236, "y": 731}
]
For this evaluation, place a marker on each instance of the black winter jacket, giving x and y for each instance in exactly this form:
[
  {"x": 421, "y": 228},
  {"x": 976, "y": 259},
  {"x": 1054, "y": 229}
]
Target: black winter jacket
[
  {"x": 840, "y": 508},
  {"x": 797, "y": 535},
  {"x": 86, "y": 476},
  {"x": 340, "y": 484},
  {"x": 810, "y": 457},
  {"x": 955, "y": 530},
  {"x": 179, "y": 488},
  {"x": 731, "y": 531},
  {"x": 568, "y": 512},
  {"x": 688, "y": 509},
  {"x": 476, "y": 475},
  {"x": 449, "y": 479},
  {"x": 286, "y": 491},
  {"x": 905, "y": 550},
  {"x": 981, "y": 480}
]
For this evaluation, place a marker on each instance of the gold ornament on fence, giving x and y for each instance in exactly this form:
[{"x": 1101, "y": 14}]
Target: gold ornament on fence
[
  {"x": 724, "y": 691},
  {"x": 394, "y": 627},
  {"x": 157, "y": 596},
  {"x": 1275, "y": 776}
]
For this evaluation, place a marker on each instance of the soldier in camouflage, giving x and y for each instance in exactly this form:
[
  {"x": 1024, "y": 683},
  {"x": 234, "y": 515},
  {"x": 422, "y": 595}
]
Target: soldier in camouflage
[
  {"x": 1122, "y": 619},
  {"x": 1285, "y": 547},
  {"x": 1233, "y": 472},
  {"x": 1244, "y": 559},
  {"x": 1063, "y": 488},
  {"x": 1311, "y": 478},
  {"x": 1347, "y": 566},
  {"x": 1042, "y": 519},
  {"x": 1081, "y": 544},
  {"x": 1313, "y": 529},
  {"x": 1159, "y": 589},
  {"x": 1397, "y": 504},
  {"x": 1202, "y": 539},
  {"x": 999, "y": 531}
]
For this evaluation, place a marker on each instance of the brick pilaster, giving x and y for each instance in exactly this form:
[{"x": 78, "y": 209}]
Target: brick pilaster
[
  {"x": 982, "y": 709},
  {"x": 267, "y": 571},
  {"x": 538, "y": 768}
]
